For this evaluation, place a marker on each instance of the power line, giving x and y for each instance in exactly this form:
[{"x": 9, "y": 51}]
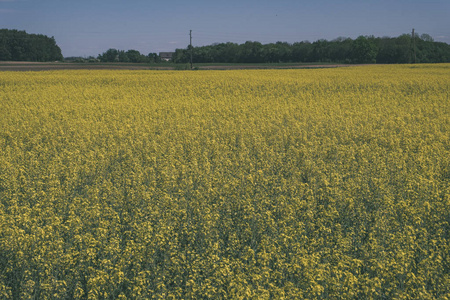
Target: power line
[
  {"x": 414, "y": 44},
  {"x": 190, "y": 43}
]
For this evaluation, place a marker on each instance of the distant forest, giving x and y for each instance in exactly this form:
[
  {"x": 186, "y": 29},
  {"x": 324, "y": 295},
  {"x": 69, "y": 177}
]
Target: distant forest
[
  {"x": 364, "y": 49},
  {"x": 18, "y": 45},
  {"x": 133, "y": 56}
]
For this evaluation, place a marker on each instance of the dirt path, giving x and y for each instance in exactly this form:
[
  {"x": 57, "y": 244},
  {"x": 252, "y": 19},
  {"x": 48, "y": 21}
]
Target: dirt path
[
  {"x": 32, "y": 66},
  {"x": 37, "y": 66},
  {"x": 238, "y": 67}
]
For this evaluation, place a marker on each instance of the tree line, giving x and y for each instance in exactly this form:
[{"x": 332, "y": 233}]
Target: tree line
[
  {"x": 133, "y": 56},
  {"x": 364, "y": 49},
  {"x": 18, "y": 45}
]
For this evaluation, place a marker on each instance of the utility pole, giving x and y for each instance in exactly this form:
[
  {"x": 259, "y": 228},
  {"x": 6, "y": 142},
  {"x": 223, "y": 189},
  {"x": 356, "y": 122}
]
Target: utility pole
[
  {"x": 190, "y": 43},
  {"x": 414, "y": 44}
]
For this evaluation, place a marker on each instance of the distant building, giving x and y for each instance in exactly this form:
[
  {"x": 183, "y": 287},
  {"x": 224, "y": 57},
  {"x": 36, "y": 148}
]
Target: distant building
[{"x": 166, "y": 55}]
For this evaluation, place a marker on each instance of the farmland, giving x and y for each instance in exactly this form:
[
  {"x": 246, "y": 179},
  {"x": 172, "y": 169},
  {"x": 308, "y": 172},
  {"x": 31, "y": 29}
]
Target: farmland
[
  {"x": 242, "y": 184},
  {"x": 52, "y": 66}
]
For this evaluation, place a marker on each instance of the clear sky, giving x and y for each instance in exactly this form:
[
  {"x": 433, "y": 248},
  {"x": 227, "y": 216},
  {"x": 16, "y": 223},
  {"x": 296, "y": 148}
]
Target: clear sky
[{"x": 88, "y": 28}]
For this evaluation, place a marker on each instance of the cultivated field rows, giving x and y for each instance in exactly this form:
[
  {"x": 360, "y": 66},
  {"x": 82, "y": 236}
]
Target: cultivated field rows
[{"x": 243, "y": 184}]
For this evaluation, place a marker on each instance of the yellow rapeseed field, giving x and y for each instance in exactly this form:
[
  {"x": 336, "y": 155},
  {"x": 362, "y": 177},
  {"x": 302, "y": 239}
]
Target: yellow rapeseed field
[{"x": 248, "y": 184}]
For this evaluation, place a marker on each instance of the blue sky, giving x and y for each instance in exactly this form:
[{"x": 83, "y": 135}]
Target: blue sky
[{"x": 84, "y": 28}]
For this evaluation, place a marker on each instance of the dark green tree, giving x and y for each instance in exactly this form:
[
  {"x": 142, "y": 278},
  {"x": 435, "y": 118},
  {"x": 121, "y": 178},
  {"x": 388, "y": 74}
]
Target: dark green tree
[
  {"x": 153, "y": 58},
  {"x": 20, "y": 46},
  {"x": 111, "y": 55},
  {"x": 135, "y": 56},
  {"x": 251, "y": 52},
  {"x": 364, "y": 50},
  {"x": 426, "y": 37},
  {"x": 123, "y": 56},
  {"x": 301, "y": 52}
]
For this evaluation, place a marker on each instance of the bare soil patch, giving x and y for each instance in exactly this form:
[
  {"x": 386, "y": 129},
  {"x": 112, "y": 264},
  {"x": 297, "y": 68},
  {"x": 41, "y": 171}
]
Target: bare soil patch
[
  {"x": 38, "y": 66},
  {"x": 262, "y": 66}
]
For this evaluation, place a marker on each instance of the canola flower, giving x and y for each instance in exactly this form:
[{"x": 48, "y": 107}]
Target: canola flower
[{"x": 267, "y": 184}]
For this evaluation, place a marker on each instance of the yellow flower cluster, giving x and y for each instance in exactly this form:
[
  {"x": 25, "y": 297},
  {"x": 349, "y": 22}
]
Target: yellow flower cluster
[{"x": 249, "y": 184}]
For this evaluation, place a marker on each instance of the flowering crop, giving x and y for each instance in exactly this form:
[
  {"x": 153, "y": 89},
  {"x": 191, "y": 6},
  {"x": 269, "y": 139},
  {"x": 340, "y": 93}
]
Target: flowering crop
[{"x": 249, "y": 184}]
